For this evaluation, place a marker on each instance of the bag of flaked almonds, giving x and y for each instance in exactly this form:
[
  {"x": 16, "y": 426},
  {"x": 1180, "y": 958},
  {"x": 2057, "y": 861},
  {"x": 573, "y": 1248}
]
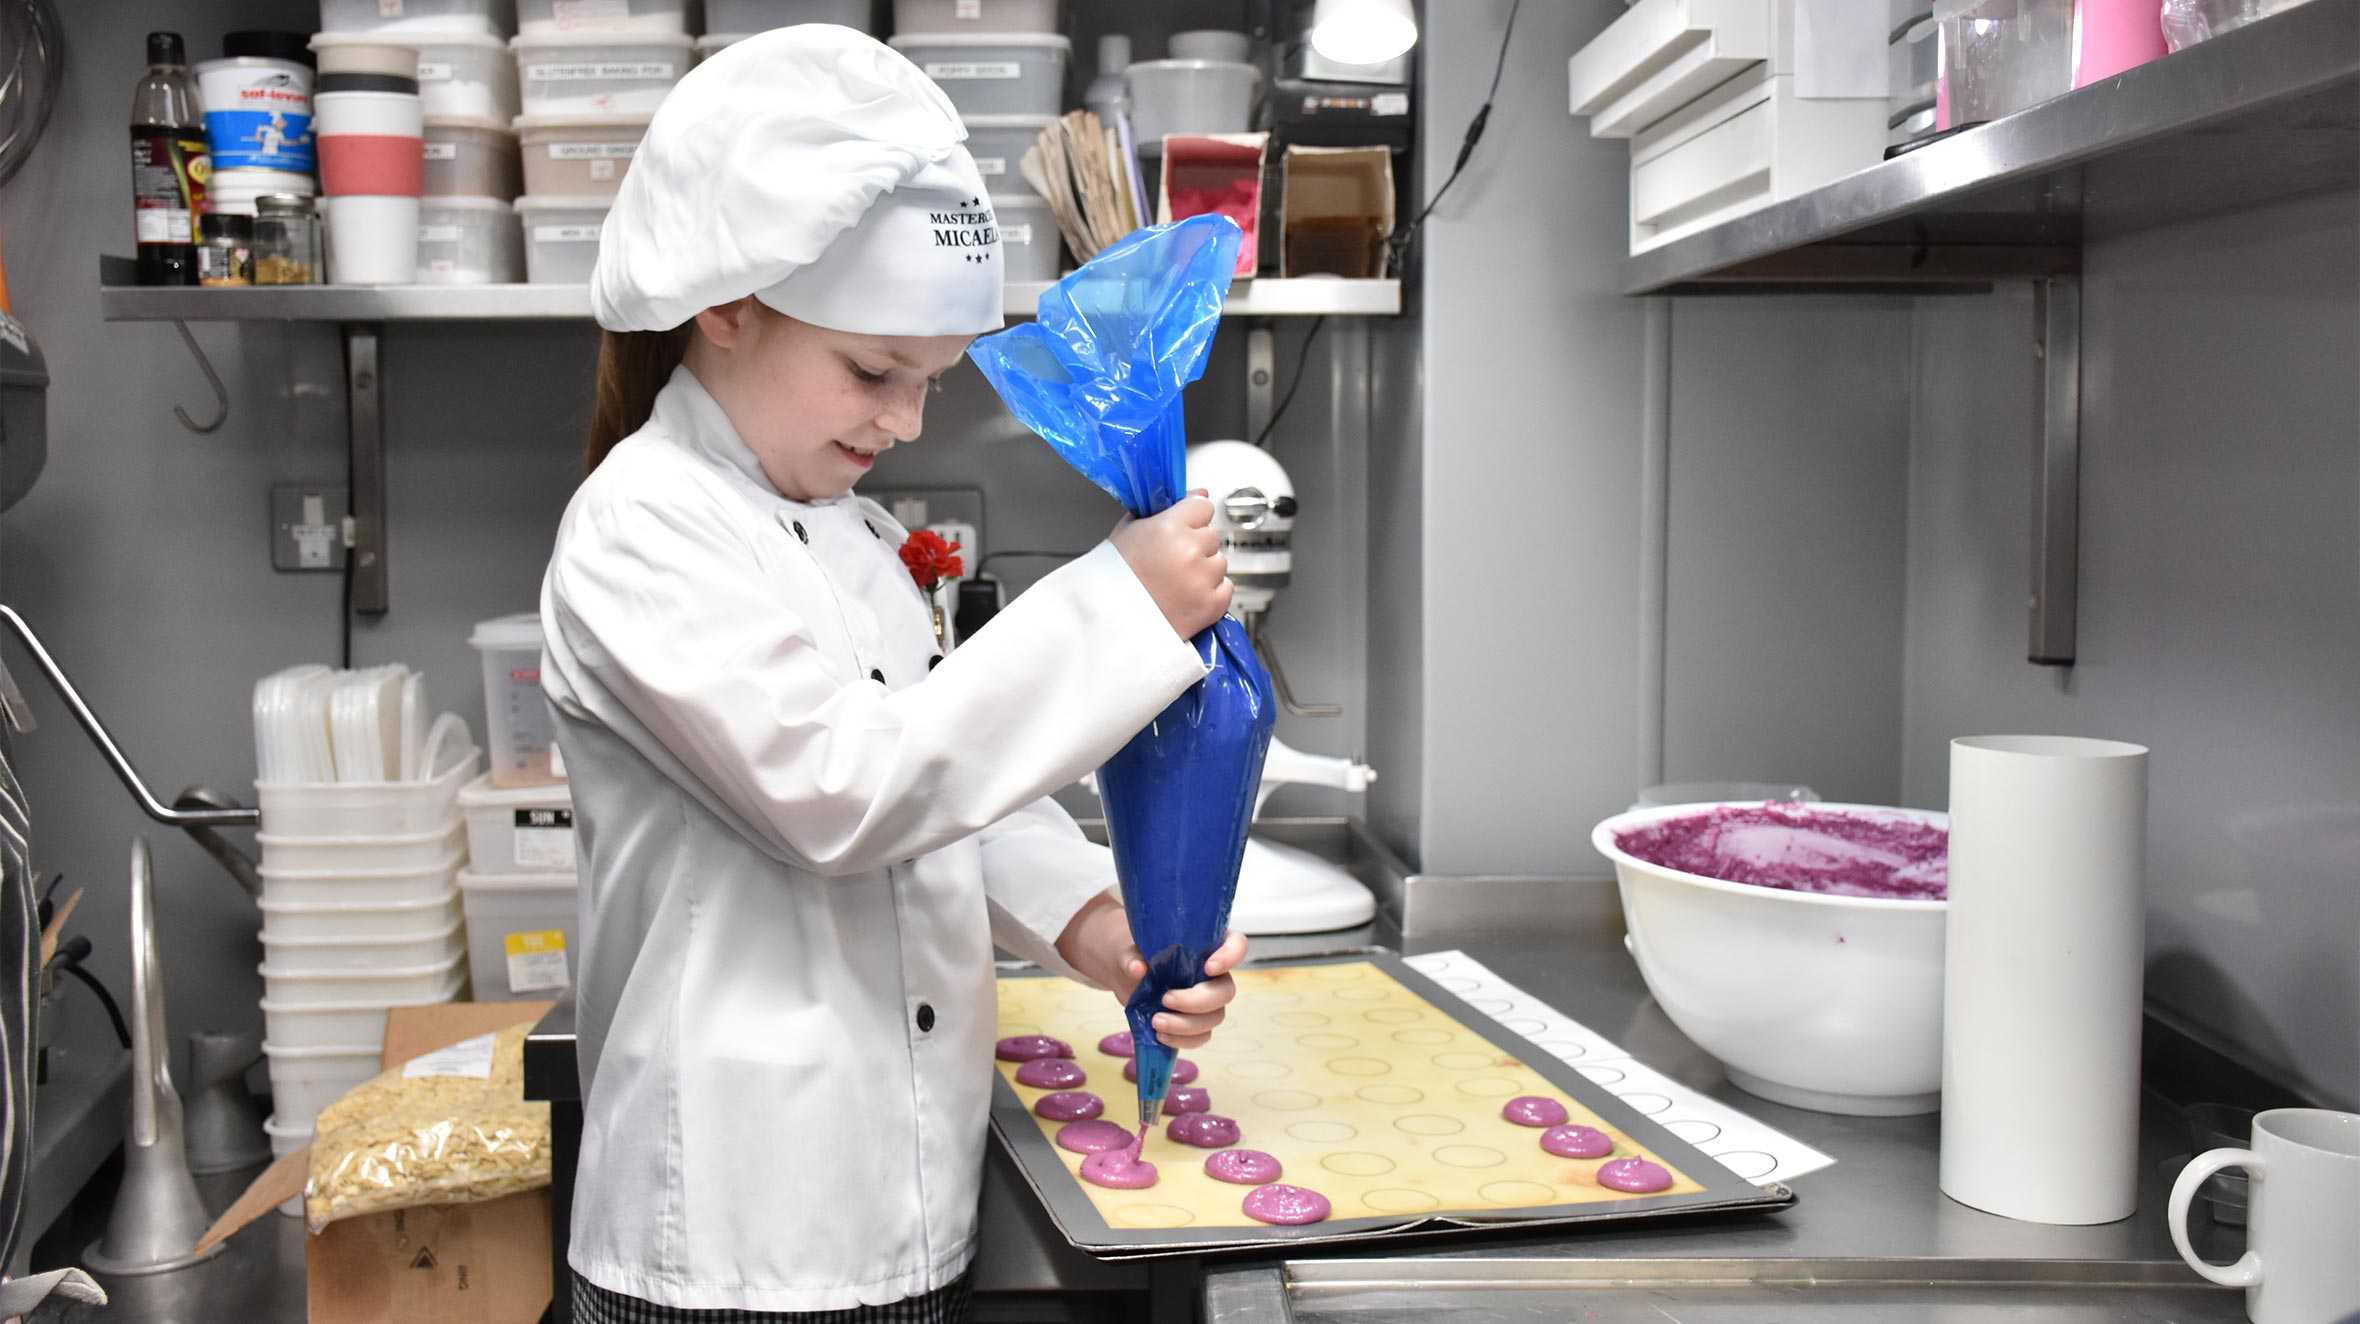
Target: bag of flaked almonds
[{"x": 450, "y": 1127}]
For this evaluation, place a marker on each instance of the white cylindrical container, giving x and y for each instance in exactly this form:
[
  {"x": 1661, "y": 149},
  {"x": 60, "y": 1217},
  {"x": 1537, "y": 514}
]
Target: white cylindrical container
[
  {"x": 1029, "y": 238},
  {"x": 257, "y": 114},
  {"x": 560, "y": 248},
  {"x": 469, "y": 241},
  {"x": 372, "y": 241},
  {"x": 580, "y": 73},
  {"x": 998, "y": 144},
  {"x": 992, "y": 73},
  {"x": 2042, "y": 978}
]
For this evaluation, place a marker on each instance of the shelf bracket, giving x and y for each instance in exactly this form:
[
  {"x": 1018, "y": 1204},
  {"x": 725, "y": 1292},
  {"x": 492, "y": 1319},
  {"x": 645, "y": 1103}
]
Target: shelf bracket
[
  {"x": 2056, "y": 471},
  {"x": 364, "y": 385}
]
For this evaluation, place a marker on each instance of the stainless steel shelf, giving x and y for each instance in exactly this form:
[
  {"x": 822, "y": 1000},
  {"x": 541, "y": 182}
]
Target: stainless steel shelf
[
  {"x": 2268, "y": 112},
  {"x": 121, "y": 301}
]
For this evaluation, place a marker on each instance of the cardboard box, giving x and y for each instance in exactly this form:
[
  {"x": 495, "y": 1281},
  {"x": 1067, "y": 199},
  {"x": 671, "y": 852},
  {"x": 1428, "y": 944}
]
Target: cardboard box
[
  {"x": 1216, "y": 172},
  {"x": 470, "y": 1264},
  {"x": 1337, "y": 214}
]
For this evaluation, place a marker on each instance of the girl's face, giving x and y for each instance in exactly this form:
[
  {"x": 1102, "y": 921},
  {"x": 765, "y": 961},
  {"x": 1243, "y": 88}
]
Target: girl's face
[{"x": 817, "y": 407}]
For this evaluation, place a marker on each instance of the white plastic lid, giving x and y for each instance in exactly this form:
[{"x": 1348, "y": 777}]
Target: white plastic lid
[
  {"x": 290, "y": 1131},
  {"x": 1200, "y": 66},
  {"x": 321, "y": 41},
  {"x": 481, "y": 123},
  {"x": 481, "y": 794},
  {"x": 445, "y": 865},
  {"x": 588, "y": 119},
  {"x": 523, "y": 205},
  {"x": 450, "y": 897},
  {"x": 558, "y": 41},
  {"x": 1008, "y": 121},
  {"x": 1014, "y": 202},
  {"x": 713, "y": 41},
  {"x": 270, "y": 939},
  {"x": 522, "y": 630},
  {"x": 355, "y": 976},
  {"x": 471, "y": 881},
  {"x": 466, "y": 202},
  {"x": 449, "y": 992},
  {"x": 978, "y": 40},
  {"x": 265, "y": 181}
]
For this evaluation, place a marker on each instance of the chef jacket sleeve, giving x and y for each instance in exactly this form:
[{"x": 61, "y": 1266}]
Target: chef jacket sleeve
[
  {"x": 1038, "y": 872},
  {"x": 663, "y": 605}
]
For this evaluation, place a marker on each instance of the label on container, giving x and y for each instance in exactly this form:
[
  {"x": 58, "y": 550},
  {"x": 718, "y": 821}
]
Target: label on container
[
  {"x": 592, "y": 151},
  {"x": 959, "y": 71},
  {"x": 438, "y": 234},
  {"x": 469, "y": 1057},
  {"x": 585, "y": 13},
  {"x": 1016, "y": 234},
  {"x": 967, "y": 9},
  {"x": 991, "y": 165},
  {"x": 259, "y": 119},
  {"x": 441, "y": 152},
  {"x": 545, "y": 839},
  {"x": 565, "y": 234},
  {"x": 536, "y": 961},
  {"x": 435, "y": 72},
  {"x": 168, "y": 174},
  {"x": 1389, "y": 103},
  {"x": 636, "y": 71}
]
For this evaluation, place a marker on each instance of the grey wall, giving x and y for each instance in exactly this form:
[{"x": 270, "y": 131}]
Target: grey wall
[{"x": 2220, "y": 599}]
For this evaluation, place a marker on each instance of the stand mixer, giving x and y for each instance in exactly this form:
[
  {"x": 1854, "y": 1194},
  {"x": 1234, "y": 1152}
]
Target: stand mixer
[{"x": 1280, "y": 889}]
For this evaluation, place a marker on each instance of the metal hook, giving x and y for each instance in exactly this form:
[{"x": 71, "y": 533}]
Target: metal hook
[{"x": 212, "y": 379}]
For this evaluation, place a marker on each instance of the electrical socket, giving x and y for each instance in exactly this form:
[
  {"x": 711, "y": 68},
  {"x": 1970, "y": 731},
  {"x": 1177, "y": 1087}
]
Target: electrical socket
[
  {"x": 307, "y": 526},
  {"x": 921, "y": 507}
]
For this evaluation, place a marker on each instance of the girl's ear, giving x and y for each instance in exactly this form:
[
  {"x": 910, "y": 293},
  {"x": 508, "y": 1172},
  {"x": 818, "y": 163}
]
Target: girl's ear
[{"x": 725, "y": 324}]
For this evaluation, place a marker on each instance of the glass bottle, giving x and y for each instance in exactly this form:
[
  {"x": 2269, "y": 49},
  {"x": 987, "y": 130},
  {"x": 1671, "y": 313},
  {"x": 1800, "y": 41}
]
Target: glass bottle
[
  {"x": 286, "y": 240},
  {"x": 169, "y": 164}
]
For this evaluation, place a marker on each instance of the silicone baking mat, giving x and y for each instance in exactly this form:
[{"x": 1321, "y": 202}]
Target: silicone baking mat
[{"x": 1371, "y": 1085}]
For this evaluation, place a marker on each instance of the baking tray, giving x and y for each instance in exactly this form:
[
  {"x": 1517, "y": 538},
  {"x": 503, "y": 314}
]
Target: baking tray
[{"x": 1082, "y": 1214}]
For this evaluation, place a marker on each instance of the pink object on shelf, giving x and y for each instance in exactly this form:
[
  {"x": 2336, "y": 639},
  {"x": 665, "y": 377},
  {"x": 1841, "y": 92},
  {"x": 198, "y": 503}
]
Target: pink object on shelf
[{"x": 2113, "y": 35}]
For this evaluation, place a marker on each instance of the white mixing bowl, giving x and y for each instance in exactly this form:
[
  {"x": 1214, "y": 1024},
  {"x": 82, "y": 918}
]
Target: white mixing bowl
[{"x": 1832, "y": 1003}]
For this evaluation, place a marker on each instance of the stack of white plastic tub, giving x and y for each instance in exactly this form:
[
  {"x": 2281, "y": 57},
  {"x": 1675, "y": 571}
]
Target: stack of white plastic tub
[
  {"x": 519, "y": 888},
  {"x": 361, "y": 847}
]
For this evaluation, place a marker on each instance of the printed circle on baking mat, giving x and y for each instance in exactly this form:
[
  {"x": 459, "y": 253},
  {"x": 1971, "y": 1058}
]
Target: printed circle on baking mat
[
  {"x": 1150, "y": 1215},
  {"x": 1469, "y": 1156},
  {"x": 1525, "y": 1024},
  {"x": 1287, "y": 1101},
  {"x": 1327, "y": 1039},
  {"x": 1397, "y": 1200},
  {"x": 1238, "y": 1044},
  {"x": 1300, "y": 1020},
  {"x": 1322, "y": 1133},
  {"x": 1392, "y": 1015},
  {"x": 1694, "y": 1130},
  {"x": 1258, "y": 1070},
  {"x": 1491, "y": 1006},
  {"x": 1429, "y": 1124},
  {"x": 1603, "y": 1075},
  {"x": 1339, "y": 974},
  {"x": 1276, "y": 998},
  {"x": 1461, "y": 1060},
  {"x": 1517, "y": 1192},
  {"x": 1360, "y": 993},
  {"x": 1357, "y": 1163},
  {"x": 1459, "y": 983},
  {"x": 1751, "y": 1164},
  {"x": 1650, "y": 1104},
  {"x": 1565, "y": 1049},
  {"x": 1486, "y": 1087},
  {"x": 1359, "y": 1066},
  {"x": 1394, "y": 1094},
  {"x": 1426, "y": 1038}
]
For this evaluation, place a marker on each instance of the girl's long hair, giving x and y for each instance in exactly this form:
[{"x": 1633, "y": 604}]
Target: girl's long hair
[{"x": 632, "y": 367}]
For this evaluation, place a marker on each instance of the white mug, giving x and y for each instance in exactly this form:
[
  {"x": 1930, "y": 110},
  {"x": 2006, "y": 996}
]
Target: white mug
[{"x": 2302, "y": 1259}]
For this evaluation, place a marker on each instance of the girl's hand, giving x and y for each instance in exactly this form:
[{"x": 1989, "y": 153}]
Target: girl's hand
[
  {"x": 1177, "y": 557},
  {"x": 1097, "y": 942}
]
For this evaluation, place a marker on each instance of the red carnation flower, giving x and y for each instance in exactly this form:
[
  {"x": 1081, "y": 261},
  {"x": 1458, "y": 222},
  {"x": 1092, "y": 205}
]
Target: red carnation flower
[{"x": 931, "y": 559}]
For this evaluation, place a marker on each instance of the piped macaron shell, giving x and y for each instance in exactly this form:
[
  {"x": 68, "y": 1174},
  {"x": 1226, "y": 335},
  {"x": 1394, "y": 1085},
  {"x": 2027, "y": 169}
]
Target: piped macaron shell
[
  {"x": 1069, "y": 1106},
  {"x": 1203, "y": 1130},
  {"x": 1094, "y": 1137},
  {"x": 1284, "y": 1205},
  {"x": 1243, "y": 1167},
  {"x": 1534, "y": 1110},
  {"x": 1118, "y": 1169},
  {"x": 1028, "y": 1047},
  {"x": 1185, "y": 1099},
  {"x": 1183, "y": 1070},
  {"x": 1636, "y": 1175},
  {"x": 1051, "y": 1073},
  {"x": 1117, "y": 1044},
  {"x": 1580, "y": 1142}
]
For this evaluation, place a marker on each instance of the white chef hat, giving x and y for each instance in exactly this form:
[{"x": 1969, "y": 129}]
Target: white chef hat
[{"x": 817, "y": 170}]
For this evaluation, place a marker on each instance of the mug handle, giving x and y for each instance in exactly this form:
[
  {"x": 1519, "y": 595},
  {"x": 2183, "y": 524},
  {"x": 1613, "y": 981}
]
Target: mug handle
[{"x": 2247, "y": 1271}]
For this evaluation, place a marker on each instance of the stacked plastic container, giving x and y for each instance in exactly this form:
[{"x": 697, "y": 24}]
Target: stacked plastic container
[
  {"x": 592, "y": 77},
  {"x": 1002, "y": 63},
  {"x": 520, "y": 888},
  {"x": 361, "y": 847}
]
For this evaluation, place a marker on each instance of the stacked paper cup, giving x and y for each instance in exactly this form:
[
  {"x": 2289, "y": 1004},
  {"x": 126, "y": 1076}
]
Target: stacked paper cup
[
  {"x": 362, "y": 843},
  {"x": 371, "y": 133}
]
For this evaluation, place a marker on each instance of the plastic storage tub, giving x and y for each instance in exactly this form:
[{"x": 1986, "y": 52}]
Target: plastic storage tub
[
  {"x": 469, "y": 241},
  {"x": 361, "y": 809},
  {"x": 713, "y": 42},
  {"x": 744, "y": 16},
  {"x": 1028, "y": 238},
  {"x": 355, "y": 885},
  {"x": 580, "y": 73},
  {"x": 525, "y": 829},
  {"x": 579, "y": 156},
  {"x": 1189, "y": 96},
  {"x": 520, "y": 933},
  {"x": 467, "y": 74},
  {"x": 471, "y": 157},
  {"x": 560, "y": 243},
  {"x": 408, "y": 850},
  {"x": 285, "y": 1138},
  {"x": 329, "y": 955},
  {"x": 998, "y": 144},
  {"x": 970, "y": 15},
  {"x": 544, "y": 18},
  {"x": 392, "y": 987},
  {"x": 411, "y": 16},
  {"x": 322, "y": 1025},
  {"x": 305, "y": 1080},
  {"x": 354, "y": 921},
  {"x": 522, "y": 738},
  {"x": 987, "y": 73}
]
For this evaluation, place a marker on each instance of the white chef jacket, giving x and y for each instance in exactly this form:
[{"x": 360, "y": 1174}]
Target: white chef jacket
[{"x": 799, "y": 839}]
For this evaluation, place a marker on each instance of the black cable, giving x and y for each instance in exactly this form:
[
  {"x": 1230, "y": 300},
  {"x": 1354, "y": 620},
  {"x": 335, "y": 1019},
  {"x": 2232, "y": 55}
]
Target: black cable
[
  {"x": 69, "y": 961},
  {"x": 1409, "y": 233},
  {"x": 1302, "y": 357}
]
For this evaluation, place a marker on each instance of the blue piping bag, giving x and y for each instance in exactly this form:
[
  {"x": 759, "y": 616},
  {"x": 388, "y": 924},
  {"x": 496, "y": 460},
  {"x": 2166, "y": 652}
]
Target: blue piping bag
[{"x": 1098, "y": 374}]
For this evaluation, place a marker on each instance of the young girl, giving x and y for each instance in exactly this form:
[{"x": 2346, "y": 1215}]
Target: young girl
[{"x": 803, "y": 828}]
